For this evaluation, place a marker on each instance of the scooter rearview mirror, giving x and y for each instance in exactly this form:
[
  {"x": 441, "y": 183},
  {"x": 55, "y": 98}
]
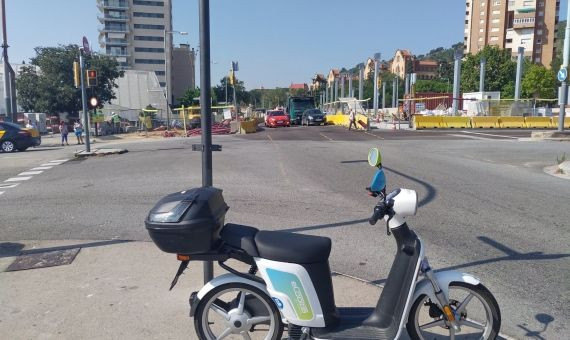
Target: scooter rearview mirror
[{"x": 374, "y": 157}]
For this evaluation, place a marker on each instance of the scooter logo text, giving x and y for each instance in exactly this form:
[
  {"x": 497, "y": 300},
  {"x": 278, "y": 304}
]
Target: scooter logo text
[{"x": 299, "y": 296}]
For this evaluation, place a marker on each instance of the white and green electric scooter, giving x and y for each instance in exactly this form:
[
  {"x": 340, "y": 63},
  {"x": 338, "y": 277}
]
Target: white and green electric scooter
[{"x": 289, "y": 281}]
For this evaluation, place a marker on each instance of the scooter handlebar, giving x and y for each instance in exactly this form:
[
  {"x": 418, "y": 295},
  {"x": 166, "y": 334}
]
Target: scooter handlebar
[{"x": 379, "y": 212}]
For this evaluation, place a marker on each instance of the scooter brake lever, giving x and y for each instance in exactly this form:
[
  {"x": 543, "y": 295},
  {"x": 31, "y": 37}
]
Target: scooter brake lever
[{"x": 388, "y": 232}]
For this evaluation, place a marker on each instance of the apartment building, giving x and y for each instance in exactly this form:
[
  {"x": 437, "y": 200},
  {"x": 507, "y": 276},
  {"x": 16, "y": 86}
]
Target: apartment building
[
  {"x": 134, "y": 32},
  {"x": 183, "y": 71},
  {"x": 511, "y": 24}
]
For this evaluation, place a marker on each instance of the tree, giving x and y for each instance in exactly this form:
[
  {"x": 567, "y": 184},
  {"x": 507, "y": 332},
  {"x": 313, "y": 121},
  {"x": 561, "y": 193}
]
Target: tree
[
  {"x": 52, "y": 89},
  {"x": 190, "y": 97},
  {"x": 437, "y": 86},
  {"x": 500, "y": 72},
  {"x": 241, "y": 94},
  {"x": 559, "y": 46},
  {"x": 539, "y": 82}
]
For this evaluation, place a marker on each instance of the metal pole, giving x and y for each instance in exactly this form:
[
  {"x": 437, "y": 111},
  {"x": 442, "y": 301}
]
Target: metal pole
[
  {"x": 456, "y": 80},
  {"x": 226, "y": 90},
  {"x": 342, "y": 86},
  {"x": 350, "y": 91},
  {"x": 394, "y": 92},
  {"x": 564, "y": 85},
  {"x": 7, "y": 85},
  {"x": 397, "y": 91},
  {"x": 407, "y": 84},
  {"x": 13, "y": 93},
  {"x": 383, "y": 95},
  {"x": 335, "y": 89},
  {"x": 206, "y": 109},
  {"x": 519, "y": 74},
  {"x": 482, "y": 74},
  {"x": 360, "y": 82},
  {"x": 84, "y": 102},
  {"x": 166, "y": 81},
  {"x": 375, "y": 101}
]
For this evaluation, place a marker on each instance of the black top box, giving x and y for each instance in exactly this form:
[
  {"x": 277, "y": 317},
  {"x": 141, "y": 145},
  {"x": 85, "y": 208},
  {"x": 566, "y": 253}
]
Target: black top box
[{"x": 188, "y": 222}]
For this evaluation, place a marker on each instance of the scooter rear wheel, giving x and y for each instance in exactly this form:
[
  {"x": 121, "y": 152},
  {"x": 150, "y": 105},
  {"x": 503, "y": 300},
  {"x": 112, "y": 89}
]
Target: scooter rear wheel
[
  {"x": 237, "y": 311},
  {"x": 480, "y": 317}
]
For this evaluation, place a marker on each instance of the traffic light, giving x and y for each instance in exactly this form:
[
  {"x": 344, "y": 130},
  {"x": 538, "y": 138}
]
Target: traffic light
[
  {"x": 91, "y": 78},
  {"x": 76, "y": 74}
]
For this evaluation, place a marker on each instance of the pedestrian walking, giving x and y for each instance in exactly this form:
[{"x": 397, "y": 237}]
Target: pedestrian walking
[
  {"x": 352, "y": 120},
  {"x": 64, "y": 132},
  {"x": 78, "y": 128}
]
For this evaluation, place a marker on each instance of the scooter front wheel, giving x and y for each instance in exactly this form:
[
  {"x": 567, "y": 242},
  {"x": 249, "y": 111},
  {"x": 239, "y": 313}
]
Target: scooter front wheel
[
  {"x": 476, "y": 310},
  {"x": 237, "y": 311}
]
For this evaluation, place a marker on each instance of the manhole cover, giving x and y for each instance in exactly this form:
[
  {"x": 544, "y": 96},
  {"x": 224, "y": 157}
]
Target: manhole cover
[{"x": 42, "y": 260}]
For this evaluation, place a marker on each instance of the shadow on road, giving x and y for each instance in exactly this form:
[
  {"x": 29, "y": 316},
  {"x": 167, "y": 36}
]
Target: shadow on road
[
  {"x": 544, "y": 319},
  {"x": 10, "y": 249},
  {"x": 511, "y": 255},
  {"x": 431, "y": 191},
  {"x": 323, "y": 226}
]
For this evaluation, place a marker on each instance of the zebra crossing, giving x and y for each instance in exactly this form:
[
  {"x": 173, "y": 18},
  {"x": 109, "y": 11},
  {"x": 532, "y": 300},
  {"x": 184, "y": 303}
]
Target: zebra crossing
[{"x": 24, "y": 176}]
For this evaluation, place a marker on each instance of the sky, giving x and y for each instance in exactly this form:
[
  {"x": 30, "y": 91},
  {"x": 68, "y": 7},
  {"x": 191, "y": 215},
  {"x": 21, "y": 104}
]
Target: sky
[{"x": 275, "y": 42}]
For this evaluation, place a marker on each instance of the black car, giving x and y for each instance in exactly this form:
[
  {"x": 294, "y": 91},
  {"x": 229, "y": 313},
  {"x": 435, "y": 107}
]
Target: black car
[
  {"x": 13, "y": 137},
  {"x": 313, "y": 117}
]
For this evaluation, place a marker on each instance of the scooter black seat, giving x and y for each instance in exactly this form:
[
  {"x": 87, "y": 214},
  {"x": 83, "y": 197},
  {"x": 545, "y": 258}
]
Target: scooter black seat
[
  {"x": 241, "y": 237},
  {"x": 292, "y": 248}
]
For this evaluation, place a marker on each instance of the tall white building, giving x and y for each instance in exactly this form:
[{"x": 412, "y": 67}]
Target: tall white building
[{"x": 134, "y": 31}]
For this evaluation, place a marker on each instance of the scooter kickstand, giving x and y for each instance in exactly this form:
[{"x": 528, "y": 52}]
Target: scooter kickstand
[{"x": 305, "y": 333}]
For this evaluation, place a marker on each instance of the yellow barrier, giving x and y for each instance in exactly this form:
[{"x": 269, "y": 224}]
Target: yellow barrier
[
  {"x": 485, "y": 122},
  {"x": 566, "y": 122},
  {"x": 428, "y": 122},
  {"x": 456, "y": 122},
  {"x": 511, "y": 122},
  {"x": 248, "y": 126},
  {"x": 343, "y": 120},
  {"x": 538, "y": 122}
]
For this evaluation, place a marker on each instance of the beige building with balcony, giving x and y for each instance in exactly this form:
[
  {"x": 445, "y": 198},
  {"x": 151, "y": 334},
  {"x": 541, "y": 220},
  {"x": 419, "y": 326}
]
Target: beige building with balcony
[
  {"x": 511, "y": 24},
  {"x": 133, "y": 31}
]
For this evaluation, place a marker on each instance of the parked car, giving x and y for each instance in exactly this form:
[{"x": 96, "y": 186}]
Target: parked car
[
  {"x": 13, "y": 137},
  {"x": 277, "y": 118},
  {"x": 312, "y": 117}
]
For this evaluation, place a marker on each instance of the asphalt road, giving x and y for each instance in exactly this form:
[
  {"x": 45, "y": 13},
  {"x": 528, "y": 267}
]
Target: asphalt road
[{"x": 486, "y": 207}]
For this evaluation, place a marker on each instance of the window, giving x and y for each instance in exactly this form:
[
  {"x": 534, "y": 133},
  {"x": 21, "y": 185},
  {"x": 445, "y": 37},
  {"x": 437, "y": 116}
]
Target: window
[
  {"x": 528, "y": 3},
  {"x": 495, "y": 21},
  {"x": 466, "y": 22},
  {"x": 541, "y": 13},
  {"x": 508, "y": 41},
  {"x": 538, "y": 41},
  {"x": 149, "y": 27},
  {"x": 537, "y": 59},
  {"x": 147, "y": 38},
  {"x": 159, "y": 73},
  {"x": 148, "y": 3},
  {"x": 149, "y": 61},
  {"x": 149, "y": 49},
  {"x": 494, "y": 29},
  {"x": 148, "y": 15},
  {"x": 525, "y": 41},
  {"x": 481, "y": 21},
  {"x": 496, "y": 2},
  {"x": 162, "y": 84},
  {"x": 539, "y": 32},
  {"x": 523, "y": 20},
  {"x": 480, "y": 38},
  {"x": 115, "y": 26},
  {"x": 483, "y": 4},
  {"x": 541, "y": 4},
  {"x": 494, "y": 38},
  {"x": 496, "y": 12},
  {"x": 482, "y": 13},
  {"x": 467, "y": 13}
]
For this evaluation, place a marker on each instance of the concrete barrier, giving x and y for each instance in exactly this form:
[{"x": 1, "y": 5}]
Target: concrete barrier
[
  {"x": 249, "y": 126},
  {"x": 485, "y": 122},
  {"x": 428, "y": 122},
  {"x": 343, "y": 120},
  {"x": 456, "y": 122},
  {"x": 538, "y": 122},
  {"x": 511, "y": 122},
  {"x": 566, "y": 121}
]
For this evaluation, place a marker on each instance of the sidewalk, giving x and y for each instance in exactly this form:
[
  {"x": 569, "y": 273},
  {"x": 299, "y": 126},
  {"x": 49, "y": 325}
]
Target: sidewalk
[{"x": 112, "y": 291}]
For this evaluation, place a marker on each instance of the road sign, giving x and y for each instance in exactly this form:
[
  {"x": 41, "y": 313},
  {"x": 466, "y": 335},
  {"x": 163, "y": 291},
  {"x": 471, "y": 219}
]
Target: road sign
[
  {"x": 562, "y": 74},
  {"x": 86, "y": 45}
]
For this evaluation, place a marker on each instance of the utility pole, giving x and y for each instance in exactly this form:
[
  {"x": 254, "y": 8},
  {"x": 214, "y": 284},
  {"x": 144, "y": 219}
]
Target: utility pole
[
  {"x": 335, "y": 89},
  {"x": 482, "y": 74},
  {"x": 394, "y": 91},
  {"x": 397, "y": 91},
  {"x": 383, "y": 95},
  {"x": 206, "y": 109},
  {"x": 564, "y": 71},
  {"x": 350, "y": 90},
  {"x": 360, "y": 82},
  {"x": 11, "y": 116},
  {"x": 456, "y": 80},
  {"x": 519, "y": 74},
  {"x": 377, "y": 57}
]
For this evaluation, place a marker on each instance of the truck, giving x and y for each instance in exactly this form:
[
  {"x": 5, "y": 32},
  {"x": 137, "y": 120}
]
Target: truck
[{"x": 296, "y": 105}]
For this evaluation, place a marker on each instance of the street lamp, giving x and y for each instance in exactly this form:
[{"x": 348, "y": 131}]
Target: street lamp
[{"x": 167, "y": 74}]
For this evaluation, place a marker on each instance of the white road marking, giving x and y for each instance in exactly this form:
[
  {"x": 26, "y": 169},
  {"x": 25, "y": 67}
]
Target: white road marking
[
  {"x": 30, "y": 173},
  {"x": 41, "y": 168},
  {"x": 8, "y": 185},
  {"x": 489, "y": 134},
  {"x": 469, "y": 137},
  {"x": 49, "y": 164},
  {"x": 59, "y": 161},
  {"x": 17, "y": 179},
  {"x": 1, "y": 192}
]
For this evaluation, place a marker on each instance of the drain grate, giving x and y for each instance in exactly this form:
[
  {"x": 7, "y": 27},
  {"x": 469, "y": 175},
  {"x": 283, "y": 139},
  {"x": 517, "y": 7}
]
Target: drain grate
[{"x": 44, "y": 259}]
